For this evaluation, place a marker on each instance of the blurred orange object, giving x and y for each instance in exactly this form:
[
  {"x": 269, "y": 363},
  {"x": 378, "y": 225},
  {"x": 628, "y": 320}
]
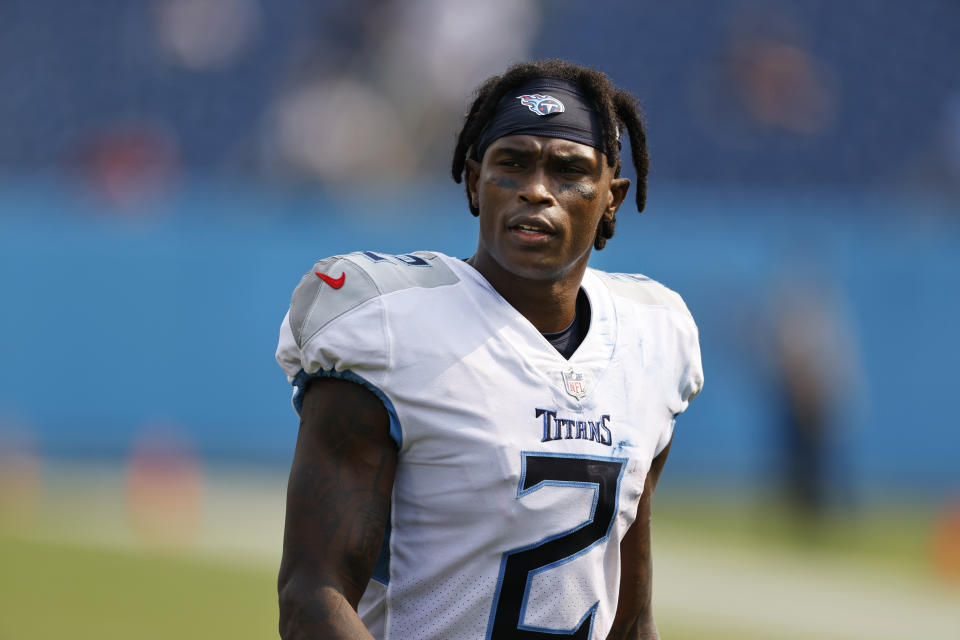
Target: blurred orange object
[
  {"x": 164, "y": 490},
  {"x": 946, "y": 543},
  {"x": 21, "y": 481}
]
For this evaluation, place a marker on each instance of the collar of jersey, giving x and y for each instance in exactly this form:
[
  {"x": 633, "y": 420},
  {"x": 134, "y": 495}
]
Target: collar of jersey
[{"x": 593, "y": 355}]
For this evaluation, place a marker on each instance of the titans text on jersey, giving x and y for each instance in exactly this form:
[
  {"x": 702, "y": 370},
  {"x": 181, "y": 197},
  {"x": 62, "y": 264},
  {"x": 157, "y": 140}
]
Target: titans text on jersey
[{"x": 556, "y": 428}]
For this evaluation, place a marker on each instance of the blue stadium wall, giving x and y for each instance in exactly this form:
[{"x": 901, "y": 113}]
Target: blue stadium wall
[{"x": 112, "y": 323}]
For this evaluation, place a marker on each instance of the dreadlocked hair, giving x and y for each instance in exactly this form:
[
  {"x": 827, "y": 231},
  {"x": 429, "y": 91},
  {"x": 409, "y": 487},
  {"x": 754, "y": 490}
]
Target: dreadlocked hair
[{"x": 613, "y": 105}]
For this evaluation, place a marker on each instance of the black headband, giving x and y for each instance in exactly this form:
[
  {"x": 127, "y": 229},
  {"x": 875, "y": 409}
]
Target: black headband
[{"x": 548, "y": 107}]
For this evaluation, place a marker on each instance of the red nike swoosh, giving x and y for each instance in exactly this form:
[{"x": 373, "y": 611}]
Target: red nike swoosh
[{"x": 336, "y": 283}]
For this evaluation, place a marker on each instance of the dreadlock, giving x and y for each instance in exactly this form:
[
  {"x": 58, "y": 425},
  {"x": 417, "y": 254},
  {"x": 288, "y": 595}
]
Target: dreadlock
[{"x": 612, "y": 104}]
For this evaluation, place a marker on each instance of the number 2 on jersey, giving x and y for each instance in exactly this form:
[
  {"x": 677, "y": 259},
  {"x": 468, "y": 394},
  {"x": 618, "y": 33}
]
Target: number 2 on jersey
[{"x": 519, "y": 566}]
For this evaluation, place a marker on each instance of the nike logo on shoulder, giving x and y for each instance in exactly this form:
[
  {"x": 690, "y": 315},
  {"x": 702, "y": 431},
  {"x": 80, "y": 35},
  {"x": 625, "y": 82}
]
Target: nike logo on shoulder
[{"x": 336, "y": 283}]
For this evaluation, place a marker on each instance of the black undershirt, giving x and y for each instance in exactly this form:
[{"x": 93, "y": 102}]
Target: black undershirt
[{"x": 567, "y": 341}]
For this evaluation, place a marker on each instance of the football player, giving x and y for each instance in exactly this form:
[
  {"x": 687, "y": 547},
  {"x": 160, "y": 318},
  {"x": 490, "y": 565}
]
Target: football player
[{"x": 480, "y": 439}]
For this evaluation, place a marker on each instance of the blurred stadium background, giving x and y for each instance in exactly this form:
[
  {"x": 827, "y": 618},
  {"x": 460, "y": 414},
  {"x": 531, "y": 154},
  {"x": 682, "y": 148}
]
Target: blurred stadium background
[{"x": 169, "y": 169}]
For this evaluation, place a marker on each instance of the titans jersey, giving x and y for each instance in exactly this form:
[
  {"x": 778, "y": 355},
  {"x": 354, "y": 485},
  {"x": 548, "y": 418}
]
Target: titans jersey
[{"x": 518, "y": 471}]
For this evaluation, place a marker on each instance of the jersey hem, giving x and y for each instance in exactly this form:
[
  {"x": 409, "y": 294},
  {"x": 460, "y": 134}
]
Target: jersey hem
[{"x": 300, "y": 383}]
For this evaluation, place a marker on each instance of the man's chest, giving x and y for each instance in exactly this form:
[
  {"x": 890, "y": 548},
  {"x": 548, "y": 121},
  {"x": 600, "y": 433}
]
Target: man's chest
[{"x": 521, "y": 447}]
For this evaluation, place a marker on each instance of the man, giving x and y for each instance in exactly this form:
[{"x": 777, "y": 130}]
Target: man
[{"x": 480, "y": 439}]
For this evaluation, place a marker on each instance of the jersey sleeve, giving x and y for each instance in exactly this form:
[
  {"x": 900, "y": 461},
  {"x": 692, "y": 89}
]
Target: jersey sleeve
[
  {"x": 687, "y": 368},
  {"x": 690, "y": 378},
  {"x": 675, "y": 337},
  {"x": 685, "y": 378},
  {"x": 334, "y": 327}
]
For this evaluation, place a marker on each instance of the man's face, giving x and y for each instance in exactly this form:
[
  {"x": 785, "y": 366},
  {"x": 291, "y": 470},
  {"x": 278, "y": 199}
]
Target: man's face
[{"x": 540, "y": 200}]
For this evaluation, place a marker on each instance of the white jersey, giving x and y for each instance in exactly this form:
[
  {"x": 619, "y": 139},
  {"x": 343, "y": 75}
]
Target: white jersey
[{"x": 519, "y": 472}]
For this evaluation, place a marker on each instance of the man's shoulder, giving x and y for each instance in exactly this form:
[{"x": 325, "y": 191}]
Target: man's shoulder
[
  {"x": 339, "y": 284},
  {"x": 643, "y": 290}
]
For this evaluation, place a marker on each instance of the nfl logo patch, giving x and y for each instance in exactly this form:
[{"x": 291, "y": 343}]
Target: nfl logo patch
[
  {"x": 541, "y": 105},
  {"x": 574, "y": 383}
]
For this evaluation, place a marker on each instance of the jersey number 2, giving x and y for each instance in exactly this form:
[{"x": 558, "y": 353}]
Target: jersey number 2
[{"x": 519, "y": 566}]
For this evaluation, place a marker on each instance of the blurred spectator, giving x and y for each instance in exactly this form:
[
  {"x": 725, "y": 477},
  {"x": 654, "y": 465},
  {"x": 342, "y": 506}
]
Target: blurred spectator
[
  {"x": 206, "y": 35},
  {"x": 817, "y": 375},
  {"x": 129, "y": 165},
  {"x": 391, "y": 111},
  {"x": 338, "y": 130},
  {"x": 766, "y": 82}
]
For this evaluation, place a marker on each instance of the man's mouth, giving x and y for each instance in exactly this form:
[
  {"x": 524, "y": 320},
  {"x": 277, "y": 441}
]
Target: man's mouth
[{"x": 531, "y": 231}]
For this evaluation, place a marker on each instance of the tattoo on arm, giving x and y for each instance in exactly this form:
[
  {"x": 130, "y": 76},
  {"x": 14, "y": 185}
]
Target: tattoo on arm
[{"x": 338, "y": 505}]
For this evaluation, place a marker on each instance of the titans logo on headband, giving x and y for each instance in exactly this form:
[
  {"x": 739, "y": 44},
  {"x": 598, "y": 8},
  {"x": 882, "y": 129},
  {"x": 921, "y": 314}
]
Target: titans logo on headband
[{"x": 541, "y": 105}]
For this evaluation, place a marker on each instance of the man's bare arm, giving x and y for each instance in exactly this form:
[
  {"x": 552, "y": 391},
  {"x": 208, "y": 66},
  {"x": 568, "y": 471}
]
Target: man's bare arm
[
  {"x": 338, "y": 506},
  {"x": 634, "y": 619}
]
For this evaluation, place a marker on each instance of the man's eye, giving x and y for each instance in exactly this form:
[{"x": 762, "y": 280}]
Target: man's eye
[{"x": 509, "y": 163}]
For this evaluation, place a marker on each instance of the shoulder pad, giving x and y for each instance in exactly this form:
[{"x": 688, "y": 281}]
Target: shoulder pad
[
  {"x": 644, "y": 290},
  {"x": 338, "y": 284}
]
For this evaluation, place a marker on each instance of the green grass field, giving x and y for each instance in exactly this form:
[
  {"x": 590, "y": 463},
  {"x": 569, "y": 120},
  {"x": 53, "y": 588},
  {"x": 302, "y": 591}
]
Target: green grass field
[
  {"x": 725, "y": 568},
  {"x": 77, "y": 592},
  {"x": 63, "y": 591}
]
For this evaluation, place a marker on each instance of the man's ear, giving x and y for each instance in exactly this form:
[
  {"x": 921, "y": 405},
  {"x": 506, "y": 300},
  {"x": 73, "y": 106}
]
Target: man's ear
[
  {"x": 618, "y": 192},
  {"x": 473, "y": 177}
]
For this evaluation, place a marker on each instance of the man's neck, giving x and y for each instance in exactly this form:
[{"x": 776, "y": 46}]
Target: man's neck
[{"x": 550, "y": 306}]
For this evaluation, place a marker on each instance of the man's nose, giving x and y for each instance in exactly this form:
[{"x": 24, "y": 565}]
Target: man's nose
[{"x": 535, "y": 190}]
